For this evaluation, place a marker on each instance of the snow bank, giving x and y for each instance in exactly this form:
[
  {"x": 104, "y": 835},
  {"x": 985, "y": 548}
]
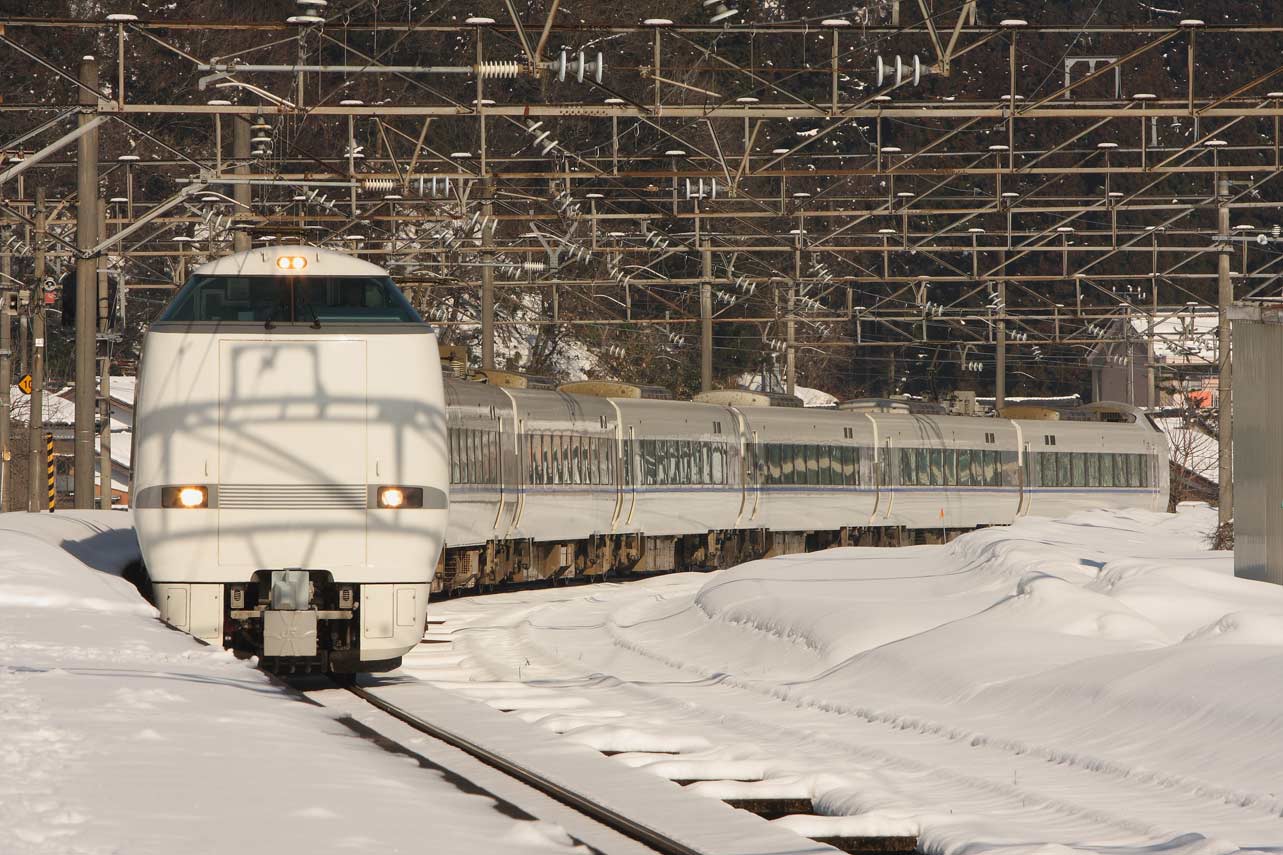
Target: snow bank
[
  {"x": 121, "y": 735},
  {"x": 1100, "y": 683}
]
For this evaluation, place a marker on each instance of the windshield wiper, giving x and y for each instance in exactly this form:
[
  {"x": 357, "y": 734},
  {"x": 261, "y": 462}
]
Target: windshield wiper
[{"x": 316, "y": 320}]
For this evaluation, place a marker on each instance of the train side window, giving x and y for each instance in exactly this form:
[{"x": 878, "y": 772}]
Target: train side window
[
  {"x": 1133, "y": 475},
  {"x": 811, "y": 457},
  {"x": 1120, "y": 470},
  {"x": 822, "y": 459},
  {"x": 964, "y": 467},
  {"x": 773, "y": 465},
  {"x": 923, "y": 466},
  {"x": 1064, "y": 469},
  {"x": 477, "y": 440},
  {"x": 906, "y": 467},
  {"x": 1093, "y": 469},
  {"x": 937, "y": 466},
  {"x": 1080, "y": 469},
  {"x": 1010, "y": 468},
  {"x": 718, "y": 464}
]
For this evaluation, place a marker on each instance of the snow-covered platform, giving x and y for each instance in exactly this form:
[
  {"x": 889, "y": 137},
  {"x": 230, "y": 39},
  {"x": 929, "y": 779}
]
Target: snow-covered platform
[
  {"x": 1097, "y": 684},
  {"x": 121, "y": 735},
  {"x": 702, "y": 824}
]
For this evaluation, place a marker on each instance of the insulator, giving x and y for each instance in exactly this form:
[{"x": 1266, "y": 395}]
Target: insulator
[
  {"x": 534, "y": 266},
  {"x": 496, "y": 70},
  {"x": 378, "y": 185}
]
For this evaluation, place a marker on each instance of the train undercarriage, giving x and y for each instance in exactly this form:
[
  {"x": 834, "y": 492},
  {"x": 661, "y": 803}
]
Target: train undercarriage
[{"x": 471, "y": 569}]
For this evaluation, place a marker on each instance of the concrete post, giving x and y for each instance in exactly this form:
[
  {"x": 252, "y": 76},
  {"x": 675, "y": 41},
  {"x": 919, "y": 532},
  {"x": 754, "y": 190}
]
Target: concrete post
[
  {"x": 487, "y": 276},
  {"x": 240, "y": 192},
  {"x": 104, "y": 370},
  {"x": 36, "y": 499},
  {"x": 706, "y": 323},
  {"x": 1225, "y": 296},
  {"x": 86, "y": 287}
]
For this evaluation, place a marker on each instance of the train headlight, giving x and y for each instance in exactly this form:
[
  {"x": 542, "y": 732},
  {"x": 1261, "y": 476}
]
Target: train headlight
[
  {"x": 291, "y": 262},
  {"x": 185, "y": 497},
  {"x": 394, "y": 498}
]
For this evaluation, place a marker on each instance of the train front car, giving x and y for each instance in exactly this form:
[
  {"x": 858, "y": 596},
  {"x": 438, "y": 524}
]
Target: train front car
[{"x": 289, "y": 464}]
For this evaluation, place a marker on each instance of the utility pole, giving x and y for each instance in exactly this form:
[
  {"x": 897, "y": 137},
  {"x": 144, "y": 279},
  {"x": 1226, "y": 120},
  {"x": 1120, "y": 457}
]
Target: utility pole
[
  {"x": 6, "y": 371},
  {"x": 240, "y": 192},
  {"x": 1225, "y": 296},
  {"x": 706, "y": 323},
  {"x": 487, "y": 275},
  {"x": 790, "y": 325},
  {"x": 104, "y": 369},
  {"x": 86, "y": 286},
  {"x": 36, "y": 491}
]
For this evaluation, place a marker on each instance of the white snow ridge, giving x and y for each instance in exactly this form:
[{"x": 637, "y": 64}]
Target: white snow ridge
[{"x": 1095, "y": 684}]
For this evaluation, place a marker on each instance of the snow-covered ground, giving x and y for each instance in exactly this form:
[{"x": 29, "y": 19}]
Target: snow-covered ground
[
  {"x": 119, "y": 735},
  {"x": 1095, "y": 684}
]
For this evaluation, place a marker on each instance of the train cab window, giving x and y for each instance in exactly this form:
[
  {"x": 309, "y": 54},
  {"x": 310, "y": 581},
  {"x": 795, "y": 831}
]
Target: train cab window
[{"x": 290, "y": 299}]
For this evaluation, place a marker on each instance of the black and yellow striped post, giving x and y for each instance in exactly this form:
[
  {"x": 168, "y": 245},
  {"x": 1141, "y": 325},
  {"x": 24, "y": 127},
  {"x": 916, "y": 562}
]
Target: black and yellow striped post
[{"x": 53, "y": 495}]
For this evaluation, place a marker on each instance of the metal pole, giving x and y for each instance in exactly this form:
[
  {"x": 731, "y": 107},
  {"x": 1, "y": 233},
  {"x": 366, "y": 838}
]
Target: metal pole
[
  {"x": 86, "y": 287},
  {"x": 6, "y": 377},
  {"x": 487, "y": 277},
  {"x": 706, "y": 323},
  {"x": 1225, "y": 296},
  {"x": 36, "y": 419},
  {"x": 104, "y": 370},
  {"x": 241, "y": 192},
  {"x": 790, "y": 327},
  {"x": 51, "y": 490},
  {"x": 1000, "y": 345}
]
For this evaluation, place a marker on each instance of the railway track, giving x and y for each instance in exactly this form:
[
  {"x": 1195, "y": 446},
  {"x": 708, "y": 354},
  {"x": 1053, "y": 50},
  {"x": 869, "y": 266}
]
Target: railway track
[
  {"x": 609, "y": 807},
  {"x": 589, "y": 807}
]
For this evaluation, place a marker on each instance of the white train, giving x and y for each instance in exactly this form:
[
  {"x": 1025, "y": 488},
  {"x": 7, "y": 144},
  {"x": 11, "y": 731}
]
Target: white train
[
  {"x": 594, "y": 478},
  {"x": 295, "y": 451},
  {"x": 289, "y": 463}
]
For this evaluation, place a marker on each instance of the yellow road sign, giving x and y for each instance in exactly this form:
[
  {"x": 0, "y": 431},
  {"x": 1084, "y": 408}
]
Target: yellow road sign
[{"x": 25, "y": 384}]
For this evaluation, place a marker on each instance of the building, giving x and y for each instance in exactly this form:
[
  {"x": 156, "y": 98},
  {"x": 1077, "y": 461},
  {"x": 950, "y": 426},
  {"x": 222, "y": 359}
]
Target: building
[{"x": 58, "y": 410}]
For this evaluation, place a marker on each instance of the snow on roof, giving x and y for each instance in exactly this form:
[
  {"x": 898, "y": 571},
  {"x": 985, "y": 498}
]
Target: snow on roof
[{"x": 809, "y": 397}]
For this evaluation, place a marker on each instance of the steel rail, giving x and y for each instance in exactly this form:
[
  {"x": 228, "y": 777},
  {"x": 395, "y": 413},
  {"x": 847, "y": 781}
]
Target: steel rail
[{"x": 606, "y": 816}]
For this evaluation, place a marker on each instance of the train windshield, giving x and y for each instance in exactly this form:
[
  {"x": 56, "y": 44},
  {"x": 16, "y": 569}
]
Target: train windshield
[{"x": 291, "y": 299}]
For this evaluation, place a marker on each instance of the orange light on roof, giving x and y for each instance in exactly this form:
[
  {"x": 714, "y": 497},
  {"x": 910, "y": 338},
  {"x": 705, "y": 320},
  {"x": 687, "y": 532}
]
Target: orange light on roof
[{"x": 291, "y": 262}]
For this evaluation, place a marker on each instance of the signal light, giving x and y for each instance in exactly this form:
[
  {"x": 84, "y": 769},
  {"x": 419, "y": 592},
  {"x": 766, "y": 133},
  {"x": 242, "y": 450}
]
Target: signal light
[{"x": 291, "y": 262}]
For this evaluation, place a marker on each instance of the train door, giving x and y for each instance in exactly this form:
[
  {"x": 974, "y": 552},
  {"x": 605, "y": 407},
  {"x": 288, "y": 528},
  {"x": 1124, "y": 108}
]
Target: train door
[
  {"x": 509, "y": 479},
  {"x": 621, "y": 473},
  {"x": 1026, "y": 482},
  {"x": 753, "y": 474},
  {"x": 886, "y": 478},
  {"x": 630, "y": 477},
  {"x": 520, "y": 476}
]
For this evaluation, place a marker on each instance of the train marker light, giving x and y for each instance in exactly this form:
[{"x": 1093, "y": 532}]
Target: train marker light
[
  {"x": 291, "y": 262},
  {"x": 184, "y": 497},
  {"x": 394, "y": 498}
]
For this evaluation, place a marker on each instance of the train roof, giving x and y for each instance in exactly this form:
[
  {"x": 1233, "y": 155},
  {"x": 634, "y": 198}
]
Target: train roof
[{"x": 262, "y": 261}]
